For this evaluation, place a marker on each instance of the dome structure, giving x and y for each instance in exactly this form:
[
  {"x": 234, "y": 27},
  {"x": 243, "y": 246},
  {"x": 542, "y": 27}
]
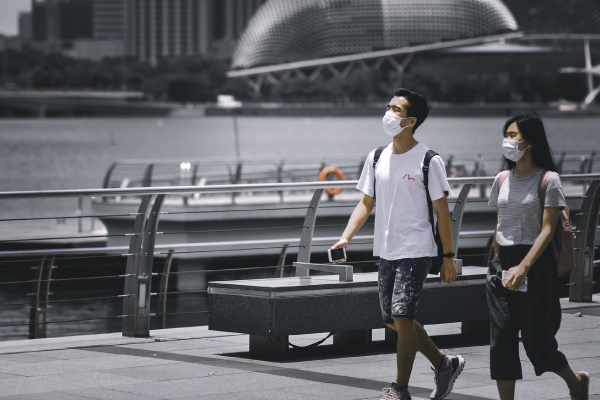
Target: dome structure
[{"x": 284, "y": 31}]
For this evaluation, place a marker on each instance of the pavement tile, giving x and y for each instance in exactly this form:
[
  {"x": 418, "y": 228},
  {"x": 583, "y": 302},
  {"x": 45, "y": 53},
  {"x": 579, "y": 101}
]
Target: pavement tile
[
  {"x": 46, "y": 396},
  {"x": 217, "y": 384},
  {"x": 173, "y": 371},
  {"x": 9, "y": 376},
  {"x": 99, "y": 393},
  {"x": 79, "y": 365},
  {"x": 54, "y": 383},
  {"x": 256, "y": 395},
  {"x": 69, "y": 354},
  {"x": 25, "y": 358},
  {"x": 332, "y": 391}
]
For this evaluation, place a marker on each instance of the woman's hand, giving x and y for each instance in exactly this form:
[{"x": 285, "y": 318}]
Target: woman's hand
[
  {"x": 516, "y": 277},
  {"x": 342, "y": 243}
]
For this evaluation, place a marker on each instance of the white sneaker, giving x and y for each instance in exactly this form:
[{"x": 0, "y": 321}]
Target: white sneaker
[
  {"x": 446, "y": 375},
  {"x": 394, "y": 393}
]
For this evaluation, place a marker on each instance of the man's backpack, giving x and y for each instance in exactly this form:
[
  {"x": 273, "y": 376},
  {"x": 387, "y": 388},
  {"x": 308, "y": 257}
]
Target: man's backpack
[
  {"x": 436, "y": 262},
  {"x": 562, "y": 242}
]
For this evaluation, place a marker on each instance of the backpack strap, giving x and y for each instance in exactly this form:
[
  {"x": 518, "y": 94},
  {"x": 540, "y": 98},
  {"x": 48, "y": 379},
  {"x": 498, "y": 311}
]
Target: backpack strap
[
  {"x": 502, "y": 177},
  {"x": 426, "y": 161},
  {"x": 542, "y": 188},
  {"x": 376, "y": 157}
]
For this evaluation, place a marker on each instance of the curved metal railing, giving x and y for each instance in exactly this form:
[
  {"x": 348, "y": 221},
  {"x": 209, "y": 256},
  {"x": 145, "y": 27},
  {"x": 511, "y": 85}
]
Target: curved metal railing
[{"x": 142, "y": 249}]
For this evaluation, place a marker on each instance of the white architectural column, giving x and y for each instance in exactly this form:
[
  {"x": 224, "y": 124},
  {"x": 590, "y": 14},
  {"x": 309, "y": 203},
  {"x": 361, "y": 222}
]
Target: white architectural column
[
  {"x": 143, "y": 56},
  {"x": 189, "y": 15},
  {"x": 177, "y": 28},
  {"x": 165, "y": 52},
  {"x": 229, "y": 19},
  {"x": 205, "y": 29},
  {"x": 152, "y": 56}
]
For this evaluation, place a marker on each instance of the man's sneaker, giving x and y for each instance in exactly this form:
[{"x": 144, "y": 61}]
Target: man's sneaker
[
  {"x": 446, "y": 375},
  {"x": 393, "y": 393},
  {"x": 585, "y": 387}
]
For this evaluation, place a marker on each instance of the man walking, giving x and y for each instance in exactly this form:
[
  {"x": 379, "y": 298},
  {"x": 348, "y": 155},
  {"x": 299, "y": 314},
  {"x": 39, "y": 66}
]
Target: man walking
[{"x": 404, "y": 238}]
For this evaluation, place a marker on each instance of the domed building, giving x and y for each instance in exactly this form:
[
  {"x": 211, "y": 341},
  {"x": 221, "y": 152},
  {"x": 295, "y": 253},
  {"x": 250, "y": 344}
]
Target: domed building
[{"x": 284, "y": 31}]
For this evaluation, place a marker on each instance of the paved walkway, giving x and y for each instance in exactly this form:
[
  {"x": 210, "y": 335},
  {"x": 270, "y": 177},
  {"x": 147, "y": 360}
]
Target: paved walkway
[{"x": 194, "y": 363}]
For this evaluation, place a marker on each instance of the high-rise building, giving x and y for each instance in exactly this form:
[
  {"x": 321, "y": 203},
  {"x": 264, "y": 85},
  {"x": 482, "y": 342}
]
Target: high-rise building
[
  {"x": 61, "y": 20},
  {"x": 109, "y": 19},
  {"x": 25, "y": 26},
  {"x": 158, "y": 29}
]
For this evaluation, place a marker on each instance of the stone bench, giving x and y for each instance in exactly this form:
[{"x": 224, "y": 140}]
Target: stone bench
[{"x": 270, "y": 310}]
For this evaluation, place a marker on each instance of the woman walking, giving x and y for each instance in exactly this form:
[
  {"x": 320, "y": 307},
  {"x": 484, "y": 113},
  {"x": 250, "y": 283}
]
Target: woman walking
[{"x": 524, "y": 230}]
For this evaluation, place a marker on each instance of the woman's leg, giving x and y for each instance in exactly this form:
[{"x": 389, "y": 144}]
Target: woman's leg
[
  {"x": 571, "y": 378},
  {"x": 506, "y": 389}
]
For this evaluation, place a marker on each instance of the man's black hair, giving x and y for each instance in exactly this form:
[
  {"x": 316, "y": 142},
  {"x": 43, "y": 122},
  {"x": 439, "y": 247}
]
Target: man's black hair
[{"x": 417, "y": 107}]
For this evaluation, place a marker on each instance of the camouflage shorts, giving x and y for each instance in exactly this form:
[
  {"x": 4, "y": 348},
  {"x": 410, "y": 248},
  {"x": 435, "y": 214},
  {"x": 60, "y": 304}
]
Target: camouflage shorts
[{"x": 400, "y": 285}]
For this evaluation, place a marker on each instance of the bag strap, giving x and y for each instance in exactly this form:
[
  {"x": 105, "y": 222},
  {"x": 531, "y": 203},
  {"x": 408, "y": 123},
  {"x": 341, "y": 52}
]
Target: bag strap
[
  {"x": 542, "y": 188},
  {"x": 501, "y": 178},
  {"x": 376, "y": 157},
  {"x": 426, "y": 161}
]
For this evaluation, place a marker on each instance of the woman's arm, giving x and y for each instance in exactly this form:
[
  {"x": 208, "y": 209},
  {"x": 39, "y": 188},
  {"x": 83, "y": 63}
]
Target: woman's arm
[{"x": 519, "y": 272}]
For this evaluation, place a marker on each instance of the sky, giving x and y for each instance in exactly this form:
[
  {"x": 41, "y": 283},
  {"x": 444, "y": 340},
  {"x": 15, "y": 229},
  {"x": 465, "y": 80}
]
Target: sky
[{"x": 9, "y": 15}]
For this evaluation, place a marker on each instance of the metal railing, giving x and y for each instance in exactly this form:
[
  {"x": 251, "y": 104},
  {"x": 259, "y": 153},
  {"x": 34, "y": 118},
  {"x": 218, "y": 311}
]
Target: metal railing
[
  {"x": 146, "y": 173},
  {"x": 142, "y": 249}
]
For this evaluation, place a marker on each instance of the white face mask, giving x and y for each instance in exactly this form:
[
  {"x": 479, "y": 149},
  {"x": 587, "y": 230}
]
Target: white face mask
[
  {"x": 510, "y": 149},
  {"x": 391, "y": 123}
]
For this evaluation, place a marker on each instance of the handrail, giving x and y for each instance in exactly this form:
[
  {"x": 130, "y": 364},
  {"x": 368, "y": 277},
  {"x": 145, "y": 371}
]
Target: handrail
[
  {"x": 142, "y": 248},
  {"x": 251, "y": 187}
]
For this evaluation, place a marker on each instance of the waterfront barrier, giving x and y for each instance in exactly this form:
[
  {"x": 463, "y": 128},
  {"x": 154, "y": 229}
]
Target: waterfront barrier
[{"x": 141, "y": 281}]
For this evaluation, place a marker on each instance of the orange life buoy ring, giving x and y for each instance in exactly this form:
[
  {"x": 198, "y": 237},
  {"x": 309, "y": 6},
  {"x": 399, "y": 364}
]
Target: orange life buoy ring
[{"x": 331, "y": 170}]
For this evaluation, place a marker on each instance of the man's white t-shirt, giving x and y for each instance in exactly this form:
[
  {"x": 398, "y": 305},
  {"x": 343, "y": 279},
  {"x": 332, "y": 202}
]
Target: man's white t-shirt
[{"x": 402, "y": 227}]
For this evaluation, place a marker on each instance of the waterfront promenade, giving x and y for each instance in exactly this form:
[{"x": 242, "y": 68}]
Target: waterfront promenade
[{"x": 195, "y": 363}]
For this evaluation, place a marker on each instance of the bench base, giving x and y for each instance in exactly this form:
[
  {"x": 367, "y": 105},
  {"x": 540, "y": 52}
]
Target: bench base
[{"x": 270, "y": 346}]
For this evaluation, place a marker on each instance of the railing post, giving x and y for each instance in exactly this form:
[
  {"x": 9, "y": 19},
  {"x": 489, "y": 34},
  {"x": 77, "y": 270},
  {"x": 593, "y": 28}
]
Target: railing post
[
  {"x": 164, "y": 287},
  {"x": 456, "y": 220},
  {"x": 106, "y": 183},
  {"x": 144, "y": 271},
  {"x": 147, "y": 181},
  {"x": 585, "y": 242},
  {"x": 39, "y": 313},
  {"x": 281, "y": 261},
  {"x": 308, "y": 229},
  {"x": 131, "y": 284}
]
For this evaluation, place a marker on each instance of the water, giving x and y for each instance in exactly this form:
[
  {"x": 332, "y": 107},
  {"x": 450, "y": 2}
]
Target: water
[{"x": 46, "y": 154}]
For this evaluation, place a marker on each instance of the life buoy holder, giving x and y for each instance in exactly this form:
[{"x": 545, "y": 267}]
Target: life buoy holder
[{"x": 331, "y": 170}]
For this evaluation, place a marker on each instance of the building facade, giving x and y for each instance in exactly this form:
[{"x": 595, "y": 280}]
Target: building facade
[
  {"x": 109, "y": 19},
  {"x": 61, "y": 20},
  {"x": 157, "y": 29}
]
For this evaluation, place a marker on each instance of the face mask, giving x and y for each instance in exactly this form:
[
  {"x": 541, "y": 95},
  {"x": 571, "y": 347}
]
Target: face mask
[
  {"x": 391, "y": 123},
  {"x": 510, "y": 148}
]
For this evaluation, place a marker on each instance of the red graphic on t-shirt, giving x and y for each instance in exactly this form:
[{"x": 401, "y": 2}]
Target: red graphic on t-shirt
[{"x": 409, "y": 178}]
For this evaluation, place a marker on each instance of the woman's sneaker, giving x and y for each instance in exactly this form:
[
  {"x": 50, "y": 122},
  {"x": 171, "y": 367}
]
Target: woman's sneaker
[
  {"x": 394, "y": 393},
  {"x": 585, "y": 387},
  {"x": 446, "y": 375}
]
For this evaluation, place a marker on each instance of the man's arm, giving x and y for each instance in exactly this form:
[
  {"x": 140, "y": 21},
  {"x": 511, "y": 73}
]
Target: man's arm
[
  {"x": 357, "y": 219},
  {"x": 448, "y": 270}
]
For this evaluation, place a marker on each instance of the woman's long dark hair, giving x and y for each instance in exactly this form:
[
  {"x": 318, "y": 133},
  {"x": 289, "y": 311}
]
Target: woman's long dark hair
[{"x": 532, "y": 129}]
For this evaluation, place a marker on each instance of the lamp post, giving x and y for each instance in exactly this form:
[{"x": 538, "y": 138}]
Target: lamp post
[{"x": 227, "y": 101}]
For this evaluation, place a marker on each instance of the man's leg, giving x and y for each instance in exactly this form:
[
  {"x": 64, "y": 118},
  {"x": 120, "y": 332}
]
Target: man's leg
[
  {"x": 425, "y": 345},
  {"x": 406, "y": 350}
]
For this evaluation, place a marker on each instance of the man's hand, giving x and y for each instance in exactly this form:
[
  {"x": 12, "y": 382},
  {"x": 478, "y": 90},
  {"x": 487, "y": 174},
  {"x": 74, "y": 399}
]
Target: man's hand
[
  {"x": 342, "y": 243},
  {"x": 516, "y": 277},
  {"x": 448, "y": 270}
]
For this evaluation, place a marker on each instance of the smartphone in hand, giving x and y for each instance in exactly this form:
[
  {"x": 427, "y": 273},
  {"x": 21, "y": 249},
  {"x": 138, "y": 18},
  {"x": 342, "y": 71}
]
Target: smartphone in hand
[
  {"x": 505, "y": 274},
  {"x": 336, "y": 254}
]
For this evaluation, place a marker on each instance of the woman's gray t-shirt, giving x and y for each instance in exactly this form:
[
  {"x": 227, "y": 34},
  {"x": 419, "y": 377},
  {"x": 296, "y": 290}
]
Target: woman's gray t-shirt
[{"x": 519, "y": 210}]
